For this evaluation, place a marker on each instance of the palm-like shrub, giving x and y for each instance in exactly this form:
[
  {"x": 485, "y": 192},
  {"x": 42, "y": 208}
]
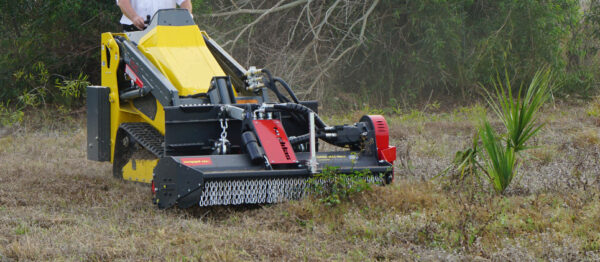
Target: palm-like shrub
[
  {"x": 500, "y": 165},
  {"x": 519, "y": 115},
  {"x": 520, "y": 118}
]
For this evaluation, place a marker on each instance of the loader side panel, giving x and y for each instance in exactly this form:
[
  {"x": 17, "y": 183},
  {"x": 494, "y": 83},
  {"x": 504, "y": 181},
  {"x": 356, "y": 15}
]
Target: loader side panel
[
  {"x": 98, "y": 123},
  {"x": 110, "y": 57}
]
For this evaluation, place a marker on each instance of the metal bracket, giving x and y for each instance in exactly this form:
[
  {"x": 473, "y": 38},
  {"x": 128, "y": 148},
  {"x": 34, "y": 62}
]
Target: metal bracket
[
  {"x": 234, "y": 112},
  {"x": 312, "y": 163}
]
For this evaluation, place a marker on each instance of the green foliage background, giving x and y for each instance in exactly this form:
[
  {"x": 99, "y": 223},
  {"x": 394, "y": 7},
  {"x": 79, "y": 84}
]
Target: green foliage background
[
  {"x": 445, "y": 48},
  {"x": 45, "y": 41},
  {"x": 414, "y": 48}
]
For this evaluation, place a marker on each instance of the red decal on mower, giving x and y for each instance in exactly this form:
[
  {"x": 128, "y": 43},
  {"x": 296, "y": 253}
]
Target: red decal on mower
[
  {"x": 133, "y": 76},
  {"x": 274, "y": 141},
  {"x": 196, "y": 161}
]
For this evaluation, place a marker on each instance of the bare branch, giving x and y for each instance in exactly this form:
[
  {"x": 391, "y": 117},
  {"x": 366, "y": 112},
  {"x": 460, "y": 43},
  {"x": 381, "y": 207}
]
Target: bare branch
[
  {"x": 331, "y": 61},
  {"x": 320, "y": 35},
  {"x": 260, "y": 11},
  {"x": 312, "y": 44},
  {"x": 291, "y": 36},
  {"x": 254, "y": 22}
]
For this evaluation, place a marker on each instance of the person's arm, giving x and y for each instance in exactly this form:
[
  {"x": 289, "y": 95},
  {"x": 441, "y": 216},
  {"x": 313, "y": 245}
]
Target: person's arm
[
  {"x": 128, "y": 11},
  {"x": 187, "y": 4}
]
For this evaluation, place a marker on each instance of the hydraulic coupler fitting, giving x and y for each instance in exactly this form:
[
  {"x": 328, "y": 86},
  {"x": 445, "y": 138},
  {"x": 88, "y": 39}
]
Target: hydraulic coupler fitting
[{"x": 254, "y": 79}]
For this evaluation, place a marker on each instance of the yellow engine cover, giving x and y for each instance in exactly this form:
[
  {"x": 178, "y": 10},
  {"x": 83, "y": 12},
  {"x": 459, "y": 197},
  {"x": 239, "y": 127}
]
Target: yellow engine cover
[{"x": 181, "y": 54}]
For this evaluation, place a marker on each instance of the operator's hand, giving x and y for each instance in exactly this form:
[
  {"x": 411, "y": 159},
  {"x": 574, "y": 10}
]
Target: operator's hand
[{"x": 138, "y": 21}]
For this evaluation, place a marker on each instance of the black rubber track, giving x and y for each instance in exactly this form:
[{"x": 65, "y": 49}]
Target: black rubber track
[{"x": 147, "y": 136}]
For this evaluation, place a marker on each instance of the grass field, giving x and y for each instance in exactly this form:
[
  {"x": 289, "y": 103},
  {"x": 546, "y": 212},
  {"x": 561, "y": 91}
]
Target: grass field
[{"x": 56, "y": 205}]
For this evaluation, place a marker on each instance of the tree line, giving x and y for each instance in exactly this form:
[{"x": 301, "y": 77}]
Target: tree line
[{"x": 346, "y": 52}]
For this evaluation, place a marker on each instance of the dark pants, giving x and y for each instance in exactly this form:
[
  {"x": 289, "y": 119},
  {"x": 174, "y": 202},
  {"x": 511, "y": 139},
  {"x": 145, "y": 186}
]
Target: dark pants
[{"x": 129, "y": 28}]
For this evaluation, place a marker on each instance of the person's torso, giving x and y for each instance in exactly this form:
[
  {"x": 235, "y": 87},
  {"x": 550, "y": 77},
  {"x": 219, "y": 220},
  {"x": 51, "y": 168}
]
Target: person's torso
[
  {"x": 146, "y": 8},
  {"x": 149, "y": 7}
]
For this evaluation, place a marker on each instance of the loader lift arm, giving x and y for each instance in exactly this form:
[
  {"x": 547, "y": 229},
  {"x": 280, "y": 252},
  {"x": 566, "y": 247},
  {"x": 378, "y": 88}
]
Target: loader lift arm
[{"x": 148, "y": 78}]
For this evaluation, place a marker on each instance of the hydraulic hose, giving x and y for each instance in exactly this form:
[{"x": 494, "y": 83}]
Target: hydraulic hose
[
  {"x": 280, "y": 96},
  {"x": 299, "y": 108},
  {"x": 268, "y": 73},
  {"x": 304, "y": 138},
  {"x": 322, "y": 127},
  {"x": 273, "y": 87},
  {"x": 287, "y": 87}
]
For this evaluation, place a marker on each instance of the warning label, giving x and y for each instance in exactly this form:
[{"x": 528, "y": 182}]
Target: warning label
[{"x": 196, "y": 161}]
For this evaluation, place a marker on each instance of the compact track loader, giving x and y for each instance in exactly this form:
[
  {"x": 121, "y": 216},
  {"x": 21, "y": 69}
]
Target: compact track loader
[{"x": 176, "y": 111}]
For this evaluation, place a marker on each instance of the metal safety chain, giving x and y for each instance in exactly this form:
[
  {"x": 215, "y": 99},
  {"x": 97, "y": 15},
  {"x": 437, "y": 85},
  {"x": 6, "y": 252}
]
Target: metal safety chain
[
  {"x": 224, "y": 126},
  {"x": 261, "y": 191},
  {"x": 223, "y": 142}
]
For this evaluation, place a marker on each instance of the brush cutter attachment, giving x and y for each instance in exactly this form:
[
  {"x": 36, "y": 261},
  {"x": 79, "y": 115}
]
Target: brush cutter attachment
[
  {"x": 264, "y": 164},
  {"x": 175, "y": 110}
]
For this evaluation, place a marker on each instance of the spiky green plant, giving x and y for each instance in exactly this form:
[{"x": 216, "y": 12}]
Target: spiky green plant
[
  {"x": 520, "y": 118},
  {"x": 500, "y": 165},
  {"x": 500, "y": 153},
  {"x": 519, "y": 115},
  {"x": 465, "y": 163}
]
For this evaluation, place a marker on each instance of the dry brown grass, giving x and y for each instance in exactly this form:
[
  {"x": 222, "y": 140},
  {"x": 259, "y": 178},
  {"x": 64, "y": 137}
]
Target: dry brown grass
[
  {"x": 56, "y": 205},
  {"x": 587, "y": 137}
]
